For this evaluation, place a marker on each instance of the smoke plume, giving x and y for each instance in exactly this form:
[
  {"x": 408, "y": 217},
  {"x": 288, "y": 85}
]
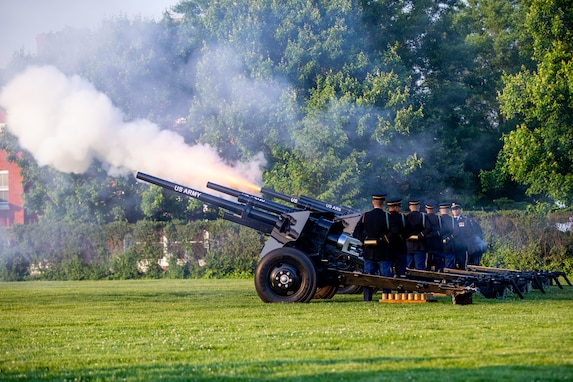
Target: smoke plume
[{"x": 66, "y": 123}]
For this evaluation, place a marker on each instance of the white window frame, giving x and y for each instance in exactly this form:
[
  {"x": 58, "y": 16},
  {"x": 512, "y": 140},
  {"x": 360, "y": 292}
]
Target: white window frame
[{"x": 4, "y": 188}]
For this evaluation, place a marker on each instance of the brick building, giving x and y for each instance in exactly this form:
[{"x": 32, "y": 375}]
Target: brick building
[{"x": 11, "y": 188}]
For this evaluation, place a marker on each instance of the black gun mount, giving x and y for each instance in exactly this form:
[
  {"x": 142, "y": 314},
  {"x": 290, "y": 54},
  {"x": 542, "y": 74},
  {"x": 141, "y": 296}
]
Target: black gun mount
[{"x": 310, "y": 251}]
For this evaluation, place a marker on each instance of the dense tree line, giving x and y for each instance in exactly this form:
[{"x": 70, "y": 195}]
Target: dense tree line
[
  {"x": 466, "y": 100},
  {"x": 120, "y": 250},
  {"x": 447, "y": 99}
]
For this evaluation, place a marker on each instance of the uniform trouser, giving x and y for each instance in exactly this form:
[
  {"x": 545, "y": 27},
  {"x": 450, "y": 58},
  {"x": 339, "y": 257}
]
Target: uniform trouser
[
  {"x": 385, "y": 270},
  {"x": 450, "y": 258},
  {"x": 419, "y": 260},
  {"x": 410, "y": 260},
  {"x": 461, "y": 259},
  {"x": 401, "y": 264},
  {"x": 374, "y": 267},
  {"x": 437, "y": 259}
]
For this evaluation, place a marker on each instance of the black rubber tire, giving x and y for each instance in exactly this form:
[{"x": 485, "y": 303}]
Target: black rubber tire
[
  {"x": 325, "y": 293},
  {"x": 350, "y": 289},
  {"x": 285, "y": 275}
]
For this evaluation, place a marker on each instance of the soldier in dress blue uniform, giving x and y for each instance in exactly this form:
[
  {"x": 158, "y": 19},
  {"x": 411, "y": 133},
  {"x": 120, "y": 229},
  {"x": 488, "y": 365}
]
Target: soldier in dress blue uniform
[
  {"x": 417, "y": 228},
  {"x": 397, "y": 235},
  {"x": 372, "y": 229},
  {"x": 434, "y": 245},
  {"x": 447, "y": 224},
  {"x": 461, "y": 236}
]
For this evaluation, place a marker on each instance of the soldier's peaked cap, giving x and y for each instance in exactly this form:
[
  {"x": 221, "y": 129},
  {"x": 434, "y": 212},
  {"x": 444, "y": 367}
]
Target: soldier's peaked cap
[
  {"x": 379, "y": 196},
  {"x": 393, "y": 202},
  {"x": 431, "y": 204},
  {"x": 444, "y": 205},
  {"x": 456, "y": 205},
  {"x": 414, "y": 202}
]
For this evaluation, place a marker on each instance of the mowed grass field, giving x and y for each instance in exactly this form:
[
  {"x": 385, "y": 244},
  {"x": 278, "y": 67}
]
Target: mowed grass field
[{"x": 219, "y": 330}]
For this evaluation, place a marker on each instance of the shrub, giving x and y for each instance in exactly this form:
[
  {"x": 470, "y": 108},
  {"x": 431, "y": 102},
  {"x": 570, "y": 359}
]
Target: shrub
[
  {"x": 125, "y": 265},
  {"x": 219, "y": 248},
  {"x": 235, "y": 252},
  {"x": 525, "y": 240}
]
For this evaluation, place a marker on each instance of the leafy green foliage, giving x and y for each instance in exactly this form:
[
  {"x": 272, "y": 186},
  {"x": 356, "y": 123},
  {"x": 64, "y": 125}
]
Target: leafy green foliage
[
  {"x": 235, "y": 252},
  {"x": 344, "y": 99},
  {"x": 202, "y": 249},
  {"x": 55, "y": 251},
  {"x": 539, "y": 152},
  {"x": 526, "y": 240}
]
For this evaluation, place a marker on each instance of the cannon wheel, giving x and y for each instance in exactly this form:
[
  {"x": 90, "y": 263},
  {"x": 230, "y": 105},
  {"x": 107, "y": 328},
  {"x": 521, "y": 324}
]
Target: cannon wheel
[
  {"x": 285, "y": 275},
  {"x": 325, "y": 293},
  {"x": 350, "y": 289}
]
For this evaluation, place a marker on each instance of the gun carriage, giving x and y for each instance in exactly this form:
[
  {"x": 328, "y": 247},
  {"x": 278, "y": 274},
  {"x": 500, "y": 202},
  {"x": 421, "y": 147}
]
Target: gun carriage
[
  {"x": 488, "y": 285},
  {"x": 493, "y": 282},
  {"x": 310, "y": 251}
]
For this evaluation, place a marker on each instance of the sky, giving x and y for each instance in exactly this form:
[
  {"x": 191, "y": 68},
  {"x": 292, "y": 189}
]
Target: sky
[{"x": 22, "y": 20}]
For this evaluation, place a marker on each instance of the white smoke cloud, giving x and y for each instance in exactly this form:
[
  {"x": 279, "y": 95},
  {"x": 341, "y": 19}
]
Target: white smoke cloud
[{"x": 66, "y": 123}]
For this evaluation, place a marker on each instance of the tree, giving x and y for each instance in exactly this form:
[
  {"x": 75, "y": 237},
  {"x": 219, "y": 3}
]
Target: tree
[
  {"x": 344, "y": 98},
  {"x": 539, "y": 152}
]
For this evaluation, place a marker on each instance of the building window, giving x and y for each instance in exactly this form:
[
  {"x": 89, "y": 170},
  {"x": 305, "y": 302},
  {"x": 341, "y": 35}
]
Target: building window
[{"x": 4, "y": 191}]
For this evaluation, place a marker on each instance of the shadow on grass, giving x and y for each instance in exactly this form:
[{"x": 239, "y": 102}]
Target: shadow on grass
[{"x": 387, "y": 369}]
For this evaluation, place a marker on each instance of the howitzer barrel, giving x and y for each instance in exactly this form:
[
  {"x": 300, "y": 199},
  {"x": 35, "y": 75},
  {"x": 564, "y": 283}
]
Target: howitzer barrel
[
  {"x": 254, "y": 200},
  {"x": 308, "y": 203},
  {"x": 280, "y": 196},
  {"x": 236, "y": 208},
  {"x": 338, "y": 210}
]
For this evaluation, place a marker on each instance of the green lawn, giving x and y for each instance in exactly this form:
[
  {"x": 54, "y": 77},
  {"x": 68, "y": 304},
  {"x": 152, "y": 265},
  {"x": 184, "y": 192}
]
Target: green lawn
[{"x": 220, "y": 330}]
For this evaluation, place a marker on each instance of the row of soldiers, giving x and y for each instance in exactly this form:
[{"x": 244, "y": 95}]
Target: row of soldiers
[{"x": 394, "y": 241}]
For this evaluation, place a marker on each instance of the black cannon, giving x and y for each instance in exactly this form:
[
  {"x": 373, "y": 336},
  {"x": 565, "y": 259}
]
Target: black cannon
[
  {"x": 488, "y": 285},
  {"x": 538, "y": 279},
  {"x": 310, "y": 251},
  {"x": 494, "y": 282}
]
